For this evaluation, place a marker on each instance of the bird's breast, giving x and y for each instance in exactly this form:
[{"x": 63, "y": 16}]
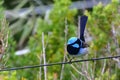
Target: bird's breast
[{"x": 83, "y": 51}]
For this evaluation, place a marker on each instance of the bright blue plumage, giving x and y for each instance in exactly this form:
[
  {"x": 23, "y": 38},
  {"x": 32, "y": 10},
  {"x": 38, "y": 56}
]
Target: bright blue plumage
[
  {"x": 72, "y": 40},
  {"x": 76, "y": 46}
]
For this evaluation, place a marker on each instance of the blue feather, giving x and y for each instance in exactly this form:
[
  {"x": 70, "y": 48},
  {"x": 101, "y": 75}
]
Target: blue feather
[
  {"x": 76, "y": 45},
  {"x": 72, "y": 40}
]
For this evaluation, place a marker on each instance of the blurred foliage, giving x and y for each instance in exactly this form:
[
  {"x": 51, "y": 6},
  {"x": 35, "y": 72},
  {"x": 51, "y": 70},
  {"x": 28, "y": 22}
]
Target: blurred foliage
[
  {"x": 5, "y": 49},
  {"x": 4, "y": 34},
  {"x": 10, "y": 4},
  {"x": 54, "y": 45},
  {"x": 1, "y": 10},
  {"x": 103, "y": 21},
  {"x": 52, "y": 28},
  {"x": 4, "y": 37}
]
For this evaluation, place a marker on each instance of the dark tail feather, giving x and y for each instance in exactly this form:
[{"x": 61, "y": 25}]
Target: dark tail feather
[{"x": 83, "y": 21}]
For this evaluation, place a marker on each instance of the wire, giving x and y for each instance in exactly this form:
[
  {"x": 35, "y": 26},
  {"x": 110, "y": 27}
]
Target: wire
[{"x": 59, "y": 63}]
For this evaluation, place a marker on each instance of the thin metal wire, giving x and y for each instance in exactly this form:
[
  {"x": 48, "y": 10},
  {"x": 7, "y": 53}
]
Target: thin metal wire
[{"x": 59, "y": 63}]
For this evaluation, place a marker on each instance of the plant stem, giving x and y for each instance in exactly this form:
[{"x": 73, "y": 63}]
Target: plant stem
[
  {"x": 65, "y": 52},
  {"x": 44, "y": 57}
]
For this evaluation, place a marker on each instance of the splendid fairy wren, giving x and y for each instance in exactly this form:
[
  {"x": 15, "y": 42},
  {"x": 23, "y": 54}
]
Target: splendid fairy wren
[{"x": 78, "y": 46}]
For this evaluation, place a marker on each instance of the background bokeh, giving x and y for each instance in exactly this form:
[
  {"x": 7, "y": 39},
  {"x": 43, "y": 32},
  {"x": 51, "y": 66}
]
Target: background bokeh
[{"x": 35, "y": 32}]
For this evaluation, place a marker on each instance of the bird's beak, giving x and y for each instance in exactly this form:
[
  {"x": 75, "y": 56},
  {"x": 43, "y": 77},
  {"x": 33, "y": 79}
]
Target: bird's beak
[{"x": 85, "y": 45}]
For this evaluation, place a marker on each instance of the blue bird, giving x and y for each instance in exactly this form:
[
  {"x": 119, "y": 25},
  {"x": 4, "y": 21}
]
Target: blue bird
[{"x": 76, "y": 46}]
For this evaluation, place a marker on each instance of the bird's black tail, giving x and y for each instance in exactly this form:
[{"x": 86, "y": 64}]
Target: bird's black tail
[{"x": 83, "y": 21}]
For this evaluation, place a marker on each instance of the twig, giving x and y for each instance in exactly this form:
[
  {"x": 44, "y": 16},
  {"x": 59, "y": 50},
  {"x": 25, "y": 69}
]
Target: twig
[
  {"x": 78, "y": 33},
  {"x": 77, "y": 70},
  {"x": 44, "y": 57},
  {"x": 115, "y": 39},
  {"x": 84, "y": 71},
  {"x": 104, "y": 65},
  {"x": 73, "y": 76},
  {"x": 40, "y": 71},
  {"x": 66, "y": 32}
]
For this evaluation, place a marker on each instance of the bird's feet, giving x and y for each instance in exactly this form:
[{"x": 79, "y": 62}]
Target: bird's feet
[{"x": 70, "y": 61}]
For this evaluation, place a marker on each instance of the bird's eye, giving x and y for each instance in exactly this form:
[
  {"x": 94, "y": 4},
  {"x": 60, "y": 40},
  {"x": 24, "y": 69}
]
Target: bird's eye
[{"x": 75, "y": 45}]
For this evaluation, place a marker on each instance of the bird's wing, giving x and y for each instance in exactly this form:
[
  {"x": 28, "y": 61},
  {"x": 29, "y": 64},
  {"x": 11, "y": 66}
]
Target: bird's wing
[{"x": 83, "y": 21}]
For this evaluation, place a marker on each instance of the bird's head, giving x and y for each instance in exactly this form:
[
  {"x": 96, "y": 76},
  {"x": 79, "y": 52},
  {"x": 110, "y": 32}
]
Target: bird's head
[
  {"x": 72, "y": 40},
  {"x": 73, "y": 45}
]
